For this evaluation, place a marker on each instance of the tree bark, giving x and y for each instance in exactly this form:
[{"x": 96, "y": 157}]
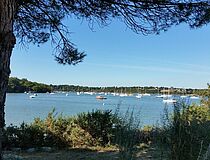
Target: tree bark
[{"x": 7, "y": 42}]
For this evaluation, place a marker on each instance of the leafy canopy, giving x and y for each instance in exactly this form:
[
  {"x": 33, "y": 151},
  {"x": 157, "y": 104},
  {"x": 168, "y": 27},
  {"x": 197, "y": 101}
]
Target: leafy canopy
[{"x": 38, "y": 21}]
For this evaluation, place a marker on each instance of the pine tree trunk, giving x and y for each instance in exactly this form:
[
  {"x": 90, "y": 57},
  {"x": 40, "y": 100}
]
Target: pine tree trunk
[{"x": 7, "y": 42}]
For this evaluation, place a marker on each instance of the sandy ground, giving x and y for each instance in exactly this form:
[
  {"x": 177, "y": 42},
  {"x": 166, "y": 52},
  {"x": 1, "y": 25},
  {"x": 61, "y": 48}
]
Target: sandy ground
[{"x": 152, "y": 153}]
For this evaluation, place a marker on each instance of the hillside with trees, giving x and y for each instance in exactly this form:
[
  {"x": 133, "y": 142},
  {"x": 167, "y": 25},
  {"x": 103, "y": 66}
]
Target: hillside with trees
[{"x": 23, "y": 85}]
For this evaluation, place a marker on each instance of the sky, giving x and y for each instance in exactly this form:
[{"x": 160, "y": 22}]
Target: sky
[{"x": 116, "y": 56}]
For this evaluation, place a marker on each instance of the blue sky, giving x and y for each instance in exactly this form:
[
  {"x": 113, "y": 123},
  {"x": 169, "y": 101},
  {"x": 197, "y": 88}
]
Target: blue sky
[{"x": 116, "y": 56}]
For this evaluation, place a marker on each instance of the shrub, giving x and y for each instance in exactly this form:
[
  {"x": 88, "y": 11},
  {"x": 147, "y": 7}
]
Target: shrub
[
  {"x": 127, "y": 134},
  {"x": 24, "y": 136},
  {"x": 85, "y": 130},
  {"x": 80, "y": 138},
  {"x": 96, "y": 128},
  {"x": 98, "y": 123},
  {"x": 187, "y": 131}
]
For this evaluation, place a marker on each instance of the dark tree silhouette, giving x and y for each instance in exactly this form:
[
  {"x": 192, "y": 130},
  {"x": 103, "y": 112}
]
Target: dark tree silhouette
[{"x": 38, "y": 21}]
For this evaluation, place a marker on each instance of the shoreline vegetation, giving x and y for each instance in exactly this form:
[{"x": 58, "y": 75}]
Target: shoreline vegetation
[
  {"x": 16, "y": 85},
  {"x": 102, "y": 134},
  {"x": 181, "y": 135}
]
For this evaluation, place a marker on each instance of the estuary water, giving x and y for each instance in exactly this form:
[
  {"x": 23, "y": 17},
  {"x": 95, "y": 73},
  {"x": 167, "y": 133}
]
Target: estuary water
[{"x": 19, "y": 107}]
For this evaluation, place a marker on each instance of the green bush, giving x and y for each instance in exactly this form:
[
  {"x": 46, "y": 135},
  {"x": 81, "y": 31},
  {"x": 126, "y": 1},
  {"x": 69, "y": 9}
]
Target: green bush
[
  {"x": 186, "y": 132},
  {"x": 47, "y": 132},
  {"x": 98, "y": 123},
  {"x": 80, "y": 138},
  {"x": 127, "y": 134},
  {"x": 24, "y": 136},
  {"x": 85, "y": 130},
  {"x": 96, "y": 128}
]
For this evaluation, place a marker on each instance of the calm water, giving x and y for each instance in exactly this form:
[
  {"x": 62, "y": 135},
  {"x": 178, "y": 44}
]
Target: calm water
[{"x": 19, "y": 107}]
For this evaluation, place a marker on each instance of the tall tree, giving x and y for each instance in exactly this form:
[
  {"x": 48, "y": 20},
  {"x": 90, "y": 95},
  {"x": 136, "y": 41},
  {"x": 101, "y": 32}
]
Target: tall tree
[{"x": 37, "y": 21}]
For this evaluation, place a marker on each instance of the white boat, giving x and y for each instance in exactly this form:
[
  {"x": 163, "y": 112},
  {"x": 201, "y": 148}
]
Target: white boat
[
  {"x": 78, "y": 93},
  {"x": 89, "y": 93},
  {"x": 159, "y": 96},
  {"x": 138, "y": 96},
  {"x": 146, "y": 94},
  {"x": 52, "y": 93},
  {"x": 123, "y": 95},
  {"x": 183, "y": 96},
  {"x": 164, "y": 96},
  {"x": 67, "y": 94},
  {"x": 114, "y": 94},
  {"x": 169, "y": 101},
  {"x": 33, "y": 96},
  {"x": 194, "y": 97}
]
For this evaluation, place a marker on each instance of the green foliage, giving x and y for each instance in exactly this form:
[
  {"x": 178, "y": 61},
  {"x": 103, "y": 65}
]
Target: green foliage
[
  {"x": 206, "y": 97},
  {"x": 24, "y": 136},
  {"x": 198, "y": 114},
  {"x": 80, "y": 138},
  {"x": 21, "y": 85},
  {"x": 127, "y": 135},
  {"x": 48, "y": 132},
  {"x": 85, "y": 130},
  {"x": 93, "y": 129},
  {"x": 16, "y": 85},
  {"x": 98, "y": 123},
  {"x": 186, "y": 132}
]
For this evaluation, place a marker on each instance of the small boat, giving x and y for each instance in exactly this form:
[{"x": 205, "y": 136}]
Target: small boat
[
  {"x": 67, "y": 94},
  {"x": 32, "y": 96},
  {"x": 146, "y": 94},
  {"x": 123, "y": 95},
  {"x": 159, "y": 96},
  {"x": 164, "y": 96},
  {"x": 194, "y": 97},
  {"x": 89, "y": 93},
  {"x": 169, "y": 101},
  {"x": 138, "y": 96},
  {"x": 114, "y": 94},
  {"x": 100, "y": 97},
  {"x": 183, "y": 96}
]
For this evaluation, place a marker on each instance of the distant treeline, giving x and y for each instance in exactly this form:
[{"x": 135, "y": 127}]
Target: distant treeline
[{"x": 23, "y": 85}]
